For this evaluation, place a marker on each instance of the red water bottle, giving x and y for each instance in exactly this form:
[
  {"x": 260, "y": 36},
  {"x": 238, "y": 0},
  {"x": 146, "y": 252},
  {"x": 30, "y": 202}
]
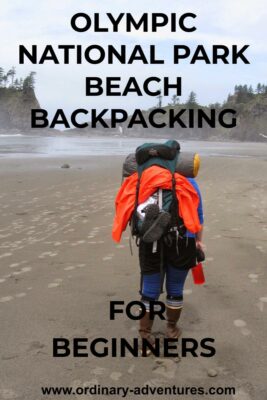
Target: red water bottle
[
  {"x": 197, "y": 271},
  {"x": 198, "y": 274}
]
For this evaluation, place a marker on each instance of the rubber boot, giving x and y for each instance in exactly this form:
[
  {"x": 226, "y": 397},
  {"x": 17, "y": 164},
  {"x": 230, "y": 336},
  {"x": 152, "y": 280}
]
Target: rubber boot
[
  {"x": 145, "y": 327},
  {"x": 173, "y": 315}
]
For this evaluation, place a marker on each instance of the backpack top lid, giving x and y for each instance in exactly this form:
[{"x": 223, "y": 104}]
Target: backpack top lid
[{"x": 162, "y": 154}]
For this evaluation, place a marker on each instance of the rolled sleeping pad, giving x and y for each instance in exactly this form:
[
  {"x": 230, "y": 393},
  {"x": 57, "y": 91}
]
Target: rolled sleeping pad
[
  {"x": 129, "y": 166},
  {"x": 187, "y": 165}
]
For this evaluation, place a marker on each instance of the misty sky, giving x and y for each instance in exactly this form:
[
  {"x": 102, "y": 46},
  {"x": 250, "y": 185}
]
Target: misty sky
[{"x": 63, "y": 86}]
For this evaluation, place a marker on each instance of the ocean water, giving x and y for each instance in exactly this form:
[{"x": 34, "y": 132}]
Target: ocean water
[{"x": 37, "y": 146}]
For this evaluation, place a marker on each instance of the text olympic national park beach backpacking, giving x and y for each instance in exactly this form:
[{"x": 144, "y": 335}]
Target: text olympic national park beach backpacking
[{"x": 95, "y": 54}]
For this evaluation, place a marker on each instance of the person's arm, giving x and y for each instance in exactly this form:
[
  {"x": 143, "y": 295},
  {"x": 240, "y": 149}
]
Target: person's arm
[{"x": 199, "y": 238}]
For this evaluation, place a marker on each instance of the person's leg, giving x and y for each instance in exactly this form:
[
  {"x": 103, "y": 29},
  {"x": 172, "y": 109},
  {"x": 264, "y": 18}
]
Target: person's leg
[
  {"x": 150, "y": 286},
  {"x": 175, "y": 280},
  {"x": 150, "y": 291}
]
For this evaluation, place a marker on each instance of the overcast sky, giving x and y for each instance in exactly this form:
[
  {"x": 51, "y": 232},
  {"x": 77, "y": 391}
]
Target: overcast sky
[{"x": 45, "y": 22}]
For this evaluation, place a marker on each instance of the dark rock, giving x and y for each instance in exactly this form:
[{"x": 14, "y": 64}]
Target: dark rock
[{"x": 15, "y": 108}]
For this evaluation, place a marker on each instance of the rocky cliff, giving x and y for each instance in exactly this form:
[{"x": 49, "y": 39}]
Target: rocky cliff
[{"x": 15, "y": 108}]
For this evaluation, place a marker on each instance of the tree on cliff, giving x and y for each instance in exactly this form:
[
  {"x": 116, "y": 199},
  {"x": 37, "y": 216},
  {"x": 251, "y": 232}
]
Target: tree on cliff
[
  {"x": 1, "y": 76},
  {"x": 11, "y": 73},
  {"x": 159, "y": 97},
  {"x": 243, "y": 93},
  {"x": 29, "y": 81},
  {"x": 192, "y": 100},
  {"x": 261, "y": 88},
  {"x": 16, "y": 83},
  {"x": 174, "y": 100},
  {"x": 4, "y": 81}
]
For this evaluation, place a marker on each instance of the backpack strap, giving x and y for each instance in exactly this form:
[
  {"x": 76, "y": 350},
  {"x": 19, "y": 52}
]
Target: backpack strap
[
  {"x": 160, "y": 202},
  {"x": 162, "y": 270},
  {"x": 175, "y": 210},
  {"x": 134, "y": 220}
]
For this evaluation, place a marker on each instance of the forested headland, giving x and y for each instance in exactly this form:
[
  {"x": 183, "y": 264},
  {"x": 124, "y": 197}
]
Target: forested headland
[{"x": 17, "y": 98}]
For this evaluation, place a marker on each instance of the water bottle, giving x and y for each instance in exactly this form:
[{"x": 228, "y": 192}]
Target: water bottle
[{"x": 198, "y": 274}]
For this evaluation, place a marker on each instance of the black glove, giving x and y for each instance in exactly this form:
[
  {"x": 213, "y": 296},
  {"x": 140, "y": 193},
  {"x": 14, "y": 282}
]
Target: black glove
[{"x": 200, "y": 255}]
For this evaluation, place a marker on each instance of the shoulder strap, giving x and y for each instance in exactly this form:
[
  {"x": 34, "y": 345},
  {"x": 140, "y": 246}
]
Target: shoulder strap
[
  {"x": 134, "y": 220},
  {"x": 178, "y": 221}
]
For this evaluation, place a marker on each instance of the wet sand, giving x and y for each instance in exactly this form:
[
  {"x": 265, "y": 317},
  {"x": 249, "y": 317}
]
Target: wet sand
[{"x": 59, "y": 269}]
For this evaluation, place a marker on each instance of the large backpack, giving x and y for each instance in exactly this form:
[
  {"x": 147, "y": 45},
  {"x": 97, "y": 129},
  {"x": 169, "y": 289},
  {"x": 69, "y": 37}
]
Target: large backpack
[{"x": 165, "y": 156}]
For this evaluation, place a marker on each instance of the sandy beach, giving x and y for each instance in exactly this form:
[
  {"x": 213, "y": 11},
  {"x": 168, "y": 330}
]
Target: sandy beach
[{"x": 60, "y": 269}]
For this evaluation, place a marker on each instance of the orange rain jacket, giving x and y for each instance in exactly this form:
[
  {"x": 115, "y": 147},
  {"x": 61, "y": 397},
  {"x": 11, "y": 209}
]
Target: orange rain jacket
[{"x": 152, "y": 179}]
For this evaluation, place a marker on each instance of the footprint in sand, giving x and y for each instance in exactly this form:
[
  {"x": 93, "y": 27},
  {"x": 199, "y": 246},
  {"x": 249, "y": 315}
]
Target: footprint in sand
[
  {"x": 5, "y": 255},
  {"x": 131, "y": 369},
  {"x": 166, "y": 368},
  {"x": 20, "y": 295},
  {"x": 14, "y": 265},
  {"x": 260, "y": 248},
  {"x": 108, "y": 257},
  {"x": 241, "y": 395},
  {"x": 22, "y": 271},
  {"x": 8, "y": 394},
  {"x": 71, "y": 267},
  {"x": 155, "y": 382},
  {"x": 239, "y": 323},
  {"x": 47, "y": 253},
  {"x": 253, "y": 278},
  {"x": 26, "y": 269},
  {"x": 261, "y": 302},
  {"x": 115, "y": 376},
  {"x": 98, "y": 371},
  {"x": 6, "y": 299},
  {"x": 52, "y": 285}
]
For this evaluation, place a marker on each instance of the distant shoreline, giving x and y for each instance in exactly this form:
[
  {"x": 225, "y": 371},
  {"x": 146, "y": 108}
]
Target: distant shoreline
[
  {"x": 53, "y": 133},
  {"x": 72, "y": 146}
]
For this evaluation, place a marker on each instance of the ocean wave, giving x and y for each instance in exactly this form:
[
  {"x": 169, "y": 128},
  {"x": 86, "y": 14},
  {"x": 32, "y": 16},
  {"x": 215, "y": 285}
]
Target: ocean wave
[{"x": 10, "y": 134}]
